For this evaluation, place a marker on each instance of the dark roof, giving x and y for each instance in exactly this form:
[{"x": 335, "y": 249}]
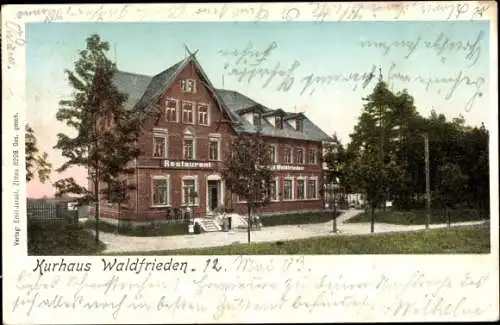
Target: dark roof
[
  {"x": 132, "y": 84},
  {"x": 143, "y": 90},
  {"x": 157, "y": 85},
  {"x": 237, "y": 103}
]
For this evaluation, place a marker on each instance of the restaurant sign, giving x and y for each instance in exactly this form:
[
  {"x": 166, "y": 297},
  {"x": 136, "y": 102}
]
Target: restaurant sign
[{"x": 187, "y": 164}]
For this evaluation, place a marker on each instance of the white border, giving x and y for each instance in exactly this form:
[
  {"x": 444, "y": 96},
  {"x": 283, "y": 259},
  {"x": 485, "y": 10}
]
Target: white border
[{"x": 299, "y": 270}]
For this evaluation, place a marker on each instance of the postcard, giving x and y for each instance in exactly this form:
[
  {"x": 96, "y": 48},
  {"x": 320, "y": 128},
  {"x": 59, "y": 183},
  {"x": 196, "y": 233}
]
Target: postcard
[{"x": 250, "y": 163}]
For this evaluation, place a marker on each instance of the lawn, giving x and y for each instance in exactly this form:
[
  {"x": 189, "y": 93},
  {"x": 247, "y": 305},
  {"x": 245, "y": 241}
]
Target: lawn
[
  {"x": 436, "y": 241},
  {"x": 148, "y": 230},
  {"x": 418, "y": 217},
  {"x": 297, "y": 218},
  {"x": 57, "y": 239}
]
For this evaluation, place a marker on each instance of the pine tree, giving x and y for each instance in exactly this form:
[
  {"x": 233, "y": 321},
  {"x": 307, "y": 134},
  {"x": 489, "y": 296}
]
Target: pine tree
[
  {"x": 106, "y": 133},
  {"x": 35, "y": 163}
]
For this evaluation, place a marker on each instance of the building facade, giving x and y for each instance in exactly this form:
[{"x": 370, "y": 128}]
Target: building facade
[{"x": 187, "y": 130}]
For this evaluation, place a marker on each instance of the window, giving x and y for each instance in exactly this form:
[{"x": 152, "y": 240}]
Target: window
[
  {"x": 171, "y": 110},
  {"x": 287, "y": 189},
  {"x": 214, "y": 149},
  {"x": 311, "y": 189},
  {"x": 278, "y": 121},
  {"x": 160, "y": 191},
  {"x": 203, "y": 114},
  {"x": 188, "y": 149},
  {"x": 312, "y": 156},
  {"x": 299, "y": 158},
  {"x": 272, "y": 153},
  {"x": 256, "y": 119},
  {"x": 301, "y": 189},
  {"x": 188, "y": 85},
  {"x": 288, "y": 155},
  {"x": 159, "y": 143},
  {"x": 300, "y": 125},
  {"x": 273, "y": 190},
  {"x": 187, "y": 112},
  {"x": 189, "y": 193}
]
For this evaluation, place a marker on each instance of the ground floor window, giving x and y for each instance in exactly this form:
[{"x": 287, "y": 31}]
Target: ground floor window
[
  {"x": 312, "y": 189},
  {"x": 300, "y": 189},
  {"x": 274, "y": 190},
  {"x": 161, "y": 188},
  {"x": 287, "y": 189},
  {"x": 189, "y": 191}
]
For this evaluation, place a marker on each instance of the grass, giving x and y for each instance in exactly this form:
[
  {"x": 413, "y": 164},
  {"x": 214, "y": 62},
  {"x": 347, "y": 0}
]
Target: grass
[
  {"x": 59, "y": 239},
  {"x": 418, "y": 217},
  {"x": 297, "y": 218},
  {"x": 458, "y": 240},
  {"x": 149, "y": 230}
]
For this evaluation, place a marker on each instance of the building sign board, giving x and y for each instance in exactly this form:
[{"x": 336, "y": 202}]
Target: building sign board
[
  {"x": 287, "y": 167},
  {"x": 188, "y": 164}
]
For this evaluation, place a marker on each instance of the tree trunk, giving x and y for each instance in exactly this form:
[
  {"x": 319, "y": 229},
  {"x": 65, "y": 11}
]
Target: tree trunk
[
  {"x": 249, "y": 223},
  {"x": 334, "y": 215},
  {"x": 96, "y": 191},
  {"x": 372, "y": 225}
]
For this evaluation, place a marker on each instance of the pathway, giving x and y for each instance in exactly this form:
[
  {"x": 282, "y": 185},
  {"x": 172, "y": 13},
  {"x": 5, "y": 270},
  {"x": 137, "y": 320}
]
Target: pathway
[{"x": 118, "y": 243}]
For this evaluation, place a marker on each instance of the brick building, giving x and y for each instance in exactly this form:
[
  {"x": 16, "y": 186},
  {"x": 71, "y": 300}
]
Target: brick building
[{"x": 186, "y": 134}]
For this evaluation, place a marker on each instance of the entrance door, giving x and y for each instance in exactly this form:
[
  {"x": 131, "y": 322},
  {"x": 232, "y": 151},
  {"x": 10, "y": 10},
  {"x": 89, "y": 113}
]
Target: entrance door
[{"x": 213, "y": 195}]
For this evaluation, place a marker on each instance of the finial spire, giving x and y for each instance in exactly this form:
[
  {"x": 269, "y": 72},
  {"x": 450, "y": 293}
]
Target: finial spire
[{"x": 380, "y": 74}]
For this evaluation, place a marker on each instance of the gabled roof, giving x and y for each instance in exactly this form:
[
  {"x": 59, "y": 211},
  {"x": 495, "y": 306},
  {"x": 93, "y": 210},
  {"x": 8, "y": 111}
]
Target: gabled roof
[
  {"x": 132, "y": 84},
  {"x": 143, "y": 90},
  {"x": 237, "y": 102}
]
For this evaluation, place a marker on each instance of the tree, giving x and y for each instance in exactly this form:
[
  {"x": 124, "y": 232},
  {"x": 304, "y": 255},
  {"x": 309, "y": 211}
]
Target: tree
[
  {"x": 35, "y": 163},
  {"x": 452, "y": 186},
  {"x": 374, "y": 178},
  {"x": 247, "y": 172},
  {"x": 106, "y": 133}
]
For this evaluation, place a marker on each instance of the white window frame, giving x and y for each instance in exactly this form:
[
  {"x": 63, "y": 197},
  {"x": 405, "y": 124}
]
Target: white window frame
[
  {"x": 316, "y": 193},
  {"x": 198, "y": 113},
  {"x": 169, "y": 108},
  {"x": 289, "y": 178},
  {"x": 169, "y": 190},
  {"x": 196, "y": 189},
  {"x": 291, "y": 155},
  {"x": 193, "y": 105},
  {"x": 275, "y": 147},
  {"x": 314, "y": 155},
  {"x": 277, "y": 193},
  {"x": 303, "y": 156},
  {"x": 160, "y": 133},
  {"x": 304, "y": 188},
  {"x": 188, "y": 135},
  {"x": 184, "y": 84},
  {"x": 211, "y": 139}
]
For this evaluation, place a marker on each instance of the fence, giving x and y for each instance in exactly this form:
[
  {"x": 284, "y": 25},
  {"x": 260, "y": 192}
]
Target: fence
[{"x": 50, "y": 212}]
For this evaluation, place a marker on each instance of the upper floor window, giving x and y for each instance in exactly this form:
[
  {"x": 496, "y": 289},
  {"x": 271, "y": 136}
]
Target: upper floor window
[
  {"x": 188, "y": 146},
  {"x": 256, "y": 119},
  {"x": 171, "y": 110},
  {"x": 214, "y": 149},
  {"x": 299, "y": 157},
  {"x": 288, "y": 155},
  {"x": 160, "y": 143},
  {"x": 312, "y": 156},
  {"x": 203, "y": 114},
  {"x": 188, "y": 85},
  {"x": 272, "y": 153},
  {"x": 278, "y": 122},
  {"x": 187, "y": 112},
  {"x": 299, "y": 125}
]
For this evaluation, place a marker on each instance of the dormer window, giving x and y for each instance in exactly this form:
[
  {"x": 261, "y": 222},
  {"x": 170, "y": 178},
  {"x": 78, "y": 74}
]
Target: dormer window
[
  {"x": 299, "y": 125},
  {"x": 278, "y": 122},
  {"x": 188, "y": 85},
  {"x": 256, "y": 119}
]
